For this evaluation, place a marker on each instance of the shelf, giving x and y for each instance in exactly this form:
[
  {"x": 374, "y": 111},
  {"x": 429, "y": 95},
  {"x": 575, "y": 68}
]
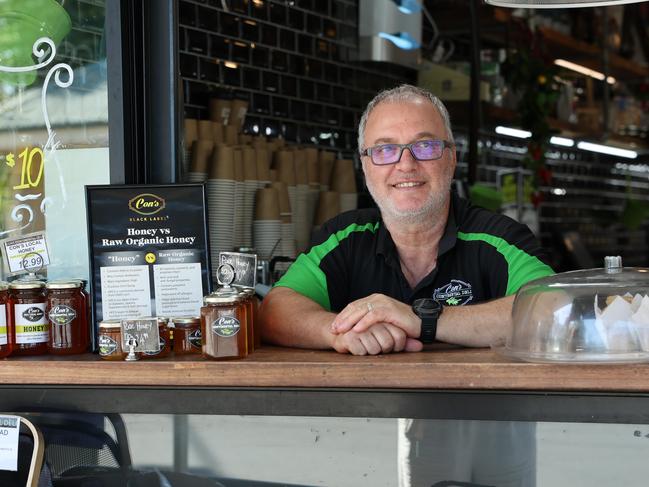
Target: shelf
[{"x": 589, "y": 55}]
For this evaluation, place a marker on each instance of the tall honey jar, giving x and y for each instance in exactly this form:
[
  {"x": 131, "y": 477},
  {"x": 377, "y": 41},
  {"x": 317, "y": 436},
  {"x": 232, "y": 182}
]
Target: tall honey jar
[
  {"x": 187, "y": 335},
  {"x": 110, "y": 340},
  {"x": 66, "y": 310},
  {"x": 223, "y": 316},
  {"x": 6, "y": 340},
  {"x": 27, "y": 319}
]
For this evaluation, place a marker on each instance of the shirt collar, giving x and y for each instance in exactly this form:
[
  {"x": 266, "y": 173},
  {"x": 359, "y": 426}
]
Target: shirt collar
[{"x": 385, "y": 245}]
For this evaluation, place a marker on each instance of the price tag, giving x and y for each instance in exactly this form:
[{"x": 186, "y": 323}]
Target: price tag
[
  {"x": 245, "y": 267},
  {"x": 9, "y": 429},
  {"x": 27, "y": 253},
  {"x": 143, "y": 335}
]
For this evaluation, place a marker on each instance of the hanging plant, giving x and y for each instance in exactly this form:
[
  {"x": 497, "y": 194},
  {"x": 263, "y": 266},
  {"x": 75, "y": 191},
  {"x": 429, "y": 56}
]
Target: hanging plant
[{"x": 530, "y": 73}]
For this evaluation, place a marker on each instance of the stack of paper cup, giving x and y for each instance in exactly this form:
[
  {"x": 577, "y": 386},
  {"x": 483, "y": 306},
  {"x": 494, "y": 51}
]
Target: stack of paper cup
[
  {"x": 217, "y": 133},
  {"x": 325, "y": 165},
  {"x": 328, "y": 207},
  {"x": 300, "y": 211},
  {"x": 220, "y": 202},
  {"x": 287, "y": 245},
  {"x": 238, "y": 113},
  {"x": 263, "y": 169},
  {"x": 285, "y": 166},
  {"x": 231, "y": 134},
  {"x": 313, "y": 177},
  {"x": 239, "y": 199},
  {"x": 220, "y": 110},
  {"x": 205, "y": 130},
  {"x": 201, "y": 156},
  {"x": 266, "y": 225},
  {"x": 190, "y": 135},
  {"x": 343, "y": 180},
  {"x": 250, "y": 187}
]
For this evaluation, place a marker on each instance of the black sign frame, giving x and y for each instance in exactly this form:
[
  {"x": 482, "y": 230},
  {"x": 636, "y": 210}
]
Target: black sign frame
[{"x": 108, "y": 210}]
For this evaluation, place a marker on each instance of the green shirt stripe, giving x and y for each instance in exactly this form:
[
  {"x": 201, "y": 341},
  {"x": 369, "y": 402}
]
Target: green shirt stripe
[
  {"x": 523, "y": 267},
  {"x": 305, "y": 275}
]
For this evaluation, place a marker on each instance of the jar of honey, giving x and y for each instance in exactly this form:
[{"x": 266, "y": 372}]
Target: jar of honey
[
  {"x": 6, "y": 340},
  {"x": 223, "y": 320},
  {"x": 164, "y": 338},
  {"x": 66, "y": 310},
  {"x": 110, "y": 340},
  {"x": 247, "y": 303},
  {"x": 187, "y": 335},
  {"x": 27, "y": 319}
]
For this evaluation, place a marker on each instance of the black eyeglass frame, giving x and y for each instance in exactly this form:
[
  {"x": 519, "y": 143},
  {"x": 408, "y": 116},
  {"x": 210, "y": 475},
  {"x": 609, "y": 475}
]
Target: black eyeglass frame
[{"x": 368, "y": 151}]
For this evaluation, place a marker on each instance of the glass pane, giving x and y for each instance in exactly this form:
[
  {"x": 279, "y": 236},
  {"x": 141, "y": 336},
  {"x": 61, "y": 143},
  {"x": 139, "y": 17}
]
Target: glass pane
[{"x": 53, "y": 123}]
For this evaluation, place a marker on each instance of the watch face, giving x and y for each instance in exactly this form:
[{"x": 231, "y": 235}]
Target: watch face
[{"x": 426, "y": 305}]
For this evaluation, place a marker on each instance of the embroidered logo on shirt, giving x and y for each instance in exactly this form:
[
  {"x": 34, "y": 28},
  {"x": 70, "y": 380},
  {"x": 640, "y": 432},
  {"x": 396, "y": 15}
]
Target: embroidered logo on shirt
[{"x": 455, "y": 293}]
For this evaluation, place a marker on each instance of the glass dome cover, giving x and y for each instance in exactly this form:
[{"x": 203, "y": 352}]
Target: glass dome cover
[{"x": 593, "y": 315}]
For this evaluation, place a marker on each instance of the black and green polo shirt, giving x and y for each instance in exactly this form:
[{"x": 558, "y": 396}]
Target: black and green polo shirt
[{"x": 482, "y": 256}]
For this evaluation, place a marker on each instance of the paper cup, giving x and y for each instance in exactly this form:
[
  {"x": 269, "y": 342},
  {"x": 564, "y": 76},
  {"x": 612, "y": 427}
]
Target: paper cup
[
  {"x": 222, "y": 166},
  {"x": 201, "y": 155},
  {"x": 263, "y": 171},
  {"x": 249, "y": 164},
  {"x": 238, "y": 113},
  {"x": 205, "y": 131},
  {"x": 328, "y": 206},
  {"x": 285, "y": 165},
  {"x": 230, "y": 133},
  {"x": 238, "y": 165},
  {"x": 217, "y": 133},
  {"x": 282, "y": 192},
  {"x": 266, "y": 204},
  {"x": 191, "y": 131},
  {"x": 301, "y": 170},
  {"x": 343, "y": 178},
  {"x": 311, "y": 156},
  {"x": 220, "y": 110},
  {"x": 325, "y": 165}
]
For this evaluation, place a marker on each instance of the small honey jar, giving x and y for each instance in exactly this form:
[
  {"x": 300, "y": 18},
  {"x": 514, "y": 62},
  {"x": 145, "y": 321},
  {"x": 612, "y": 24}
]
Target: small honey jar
[
  {"x": 110, "y": 340},
  {"x": 223, "y": 320},
  {"x": 187, "y": 335}
]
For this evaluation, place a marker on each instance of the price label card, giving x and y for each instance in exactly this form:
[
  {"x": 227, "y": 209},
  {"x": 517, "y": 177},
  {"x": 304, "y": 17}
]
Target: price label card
[
  {"x": 143, "y": 335},
  {"x": 27, "y": 253},
  {"x": 245, "y": 267},
  {"x": 9, "y": 429}
]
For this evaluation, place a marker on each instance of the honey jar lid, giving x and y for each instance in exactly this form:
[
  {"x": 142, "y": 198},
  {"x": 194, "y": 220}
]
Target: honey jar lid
[
  {"x": 110, "y": 324},
  {"x": 61, "y": 284},
  {"x": 186, "y": 321},
  {"x": 223, "y": 296},
  {"x": 27, "y": 285}
]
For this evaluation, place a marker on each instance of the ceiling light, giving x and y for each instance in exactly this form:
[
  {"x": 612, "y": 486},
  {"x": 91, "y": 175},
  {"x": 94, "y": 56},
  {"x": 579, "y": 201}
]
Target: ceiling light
[
  {"x": 557, "y": 3},
  {"x": 562, "y": 141},
  {"x": 584, "y": 70},
  {"x": 607, "y": 149},
  {"x": 521, "y": 134}
]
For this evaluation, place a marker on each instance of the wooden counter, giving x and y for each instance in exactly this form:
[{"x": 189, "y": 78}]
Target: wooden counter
[{"x": 270, "y": 367}]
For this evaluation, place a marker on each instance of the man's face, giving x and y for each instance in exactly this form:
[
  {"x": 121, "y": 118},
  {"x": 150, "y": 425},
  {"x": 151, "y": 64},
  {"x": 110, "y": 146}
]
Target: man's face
[{"x": 409, "y": 190}]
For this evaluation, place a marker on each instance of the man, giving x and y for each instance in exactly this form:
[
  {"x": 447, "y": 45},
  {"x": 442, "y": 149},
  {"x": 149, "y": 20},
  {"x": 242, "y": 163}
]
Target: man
[{"x": 354, "y": 290}]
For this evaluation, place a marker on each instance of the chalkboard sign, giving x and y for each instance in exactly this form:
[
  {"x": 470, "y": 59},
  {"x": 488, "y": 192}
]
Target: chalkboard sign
[
  {"x": 143, "y": 334},
  {"x": 245, "y": 267}
]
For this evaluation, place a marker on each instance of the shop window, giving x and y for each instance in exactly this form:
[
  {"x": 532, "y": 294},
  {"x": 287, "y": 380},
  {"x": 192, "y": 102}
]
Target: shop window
[
  {"x": 208, "y": 18},
  {"x": 196, "y": 41},
  {"x": 280, "y": 107},
  {"x": 287, "y": 39},
  {"x": 260, "y": 104},
  {"x": 260, "y": 57},
  {"x": 188, "y": 66},
  {"x": 209, "y": 70}
]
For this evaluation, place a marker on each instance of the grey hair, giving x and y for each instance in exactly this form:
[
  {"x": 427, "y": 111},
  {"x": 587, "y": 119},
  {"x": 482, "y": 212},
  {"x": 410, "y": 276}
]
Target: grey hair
[{"x": 404, "y": 93}]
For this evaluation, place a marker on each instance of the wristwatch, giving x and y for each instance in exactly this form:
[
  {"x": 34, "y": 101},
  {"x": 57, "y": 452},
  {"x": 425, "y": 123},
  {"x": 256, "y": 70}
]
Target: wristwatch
[{"x": 428, "y": 309}]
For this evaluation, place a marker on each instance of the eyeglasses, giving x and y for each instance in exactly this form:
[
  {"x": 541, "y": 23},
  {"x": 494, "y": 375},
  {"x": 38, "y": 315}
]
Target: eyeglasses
[{"x": 422, "y": 150}]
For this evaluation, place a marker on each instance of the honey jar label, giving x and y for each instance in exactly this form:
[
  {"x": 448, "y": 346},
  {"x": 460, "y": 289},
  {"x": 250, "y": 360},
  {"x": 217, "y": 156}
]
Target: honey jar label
[
  {"x": 107, "y": 346},
  {"x": 196, "y": 339},
  {"x": 62, "y": 315},
  {"x": 31, "y": 323},
  {"x": 226, "y": 326}
]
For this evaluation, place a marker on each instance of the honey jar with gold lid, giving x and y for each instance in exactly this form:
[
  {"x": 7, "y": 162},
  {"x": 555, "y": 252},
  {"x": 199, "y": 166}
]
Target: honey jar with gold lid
[
  {"x": 223, "y": 325},
  {"x": 26, "y": 317}
]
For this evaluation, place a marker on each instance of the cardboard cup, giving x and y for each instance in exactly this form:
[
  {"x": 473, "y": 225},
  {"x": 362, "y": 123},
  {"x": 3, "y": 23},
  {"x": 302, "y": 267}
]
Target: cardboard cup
[
  {"x": 245, "y": 139},
  {"x": 220, "y": 110},
  {"x": 285, "y": 165},
  {"x": 259, "y": 142},
  {"x": 343, "y": 177},
  {"x": 266, "y": 204},
  {"x": 325, "y": 163},
  {"x": 201, "y": 155},
  {"x": 238, "y": 165},
  {"x": 263, "y": 171},
  {"x": 191, "y": 131},
  {"x": 328, "y": 207},
  {"x": 301, "y": 170},
  {"x": 249, "y": 164},
  {"x": 217, "y": 133},
  {"x": 284, "y": 201},
  {"x": 273, "y": 175},
  {"x": 205, "y": 130},
  {"x": 222, "y": 163},
  {"x": 238, "y": 113},
  {"x": 231, "y": 134},
  {"x": 311, "y": 156}
]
